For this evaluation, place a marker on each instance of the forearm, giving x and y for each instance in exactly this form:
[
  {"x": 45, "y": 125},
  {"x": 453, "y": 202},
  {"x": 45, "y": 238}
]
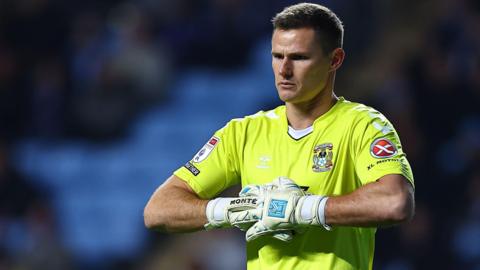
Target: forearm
[
  {"x": 386, "y": 202},
  {"x": 173, "y": 209}
]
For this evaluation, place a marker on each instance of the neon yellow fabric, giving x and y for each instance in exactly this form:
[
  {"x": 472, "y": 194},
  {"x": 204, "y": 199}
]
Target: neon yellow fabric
[{"x": 350, "y": 146}]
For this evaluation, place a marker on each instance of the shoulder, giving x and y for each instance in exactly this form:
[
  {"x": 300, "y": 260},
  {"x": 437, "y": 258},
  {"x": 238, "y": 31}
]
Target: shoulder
[
  {"x": 367, "y": 123},
  {"x": 261, "y": 118},
  {"x": 360, "y": 113}
]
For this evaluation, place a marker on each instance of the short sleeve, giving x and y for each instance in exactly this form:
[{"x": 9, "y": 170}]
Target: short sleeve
[
  {"x": 214, "y": 168},
  {"x": 377, "y": 149}
]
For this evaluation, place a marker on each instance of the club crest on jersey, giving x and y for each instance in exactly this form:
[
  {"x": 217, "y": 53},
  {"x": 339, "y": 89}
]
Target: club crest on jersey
[
  {"x": 206, "y": 150},
  {"x": 383, "y": 148},
  {"x": 322, "y": 157}
]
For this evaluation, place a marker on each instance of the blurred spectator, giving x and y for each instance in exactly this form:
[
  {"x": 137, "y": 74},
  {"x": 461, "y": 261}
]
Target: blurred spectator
[
  {"x": 411, "y": 245},
  {"x": 120, "y": 70},
  {"x": 89, "y": 47},
  {"x": 216, "y": 34},
  {"x": 27, "y": 229},
  {"x": 12, "y": 99},
  {"x": 16, "y": 194},
  {"x": 466, "y": 237},
  {"x": 48, "y": 104},
  {"x": 104, "y": 111},
  {"x": 139, "y": 59}
]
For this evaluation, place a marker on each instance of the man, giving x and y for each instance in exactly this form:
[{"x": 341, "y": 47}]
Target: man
[{"x": 347, "y": 155}]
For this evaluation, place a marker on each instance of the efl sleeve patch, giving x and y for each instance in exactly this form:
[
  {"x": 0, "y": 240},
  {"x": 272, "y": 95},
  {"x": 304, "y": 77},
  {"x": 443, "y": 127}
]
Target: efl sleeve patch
[{"x": 206, "y": 150}]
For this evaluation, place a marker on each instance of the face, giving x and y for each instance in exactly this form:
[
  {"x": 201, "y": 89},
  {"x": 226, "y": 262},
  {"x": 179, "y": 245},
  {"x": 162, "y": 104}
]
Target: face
[{"x": 301, "y": 68}]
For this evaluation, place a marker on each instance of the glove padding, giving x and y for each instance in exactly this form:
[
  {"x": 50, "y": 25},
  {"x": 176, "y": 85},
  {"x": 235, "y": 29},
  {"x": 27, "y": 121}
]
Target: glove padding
[
  {"x": 281, "y": 185},
  {"x": 281, "y": 210},
  {"x": 240, "y": 212}
]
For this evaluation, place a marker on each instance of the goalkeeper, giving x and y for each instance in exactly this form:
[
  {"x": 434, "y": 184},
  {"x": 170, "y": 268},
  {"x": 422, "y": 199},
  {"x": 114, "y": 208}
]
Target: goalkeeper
[{"x": 346, "y": 156}]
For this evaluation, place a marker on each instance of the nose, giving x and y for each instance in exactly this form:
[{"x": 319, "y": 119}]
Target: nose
[{"x": 286, "y": 68}]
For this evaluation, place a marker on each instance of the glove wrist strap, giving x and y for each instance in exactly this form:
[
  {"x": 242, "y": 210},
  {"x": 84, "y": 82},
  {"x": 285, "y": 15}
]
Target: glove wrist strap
[
  {"x": 321, "y": 213},
  {"x": 215, "y": 213},
  {"x": 312, "y": 211}
]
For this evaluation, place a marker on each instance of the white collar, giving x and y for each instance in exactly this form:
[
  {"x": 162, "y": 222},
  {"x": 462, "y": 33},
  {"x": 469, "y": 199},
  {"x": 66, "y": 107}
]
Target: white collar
[{"x": 299, "y": 133}]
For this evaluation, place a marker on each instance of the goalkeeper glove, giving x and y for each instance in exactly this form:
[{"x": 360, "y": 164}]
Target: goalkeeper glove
[
  {"x": 223, "y": 212},
  {"x": 286, "y": 210},
  {"x": 260, "y": 191},
  {"x": 241, "y": 212}
]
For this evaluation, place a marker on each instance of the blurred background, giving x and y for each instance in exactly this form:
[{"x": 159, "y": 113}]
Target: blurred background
[{"x": 100, "y": 101}]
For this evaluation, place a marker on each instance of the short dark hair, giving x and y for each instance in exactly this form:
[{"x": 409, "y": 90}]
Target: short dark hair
[{"x": 326, "y": 24}]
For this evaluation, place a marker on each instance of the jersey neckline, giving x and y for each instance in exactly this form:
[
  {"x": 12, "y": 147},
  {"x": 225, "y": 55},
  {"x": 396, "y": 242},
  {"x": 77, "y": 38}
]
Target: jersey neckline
[
  {"x": 297, "y": 134},
  {"x": 335, "y": 106}
]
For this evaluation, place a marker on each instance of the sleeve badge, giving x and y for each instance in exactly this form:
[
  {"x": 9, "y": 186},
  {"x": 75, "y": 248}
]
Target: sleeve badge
[
  {"x": 383, "y": 148},
  {"x": 206, "y": 150}
]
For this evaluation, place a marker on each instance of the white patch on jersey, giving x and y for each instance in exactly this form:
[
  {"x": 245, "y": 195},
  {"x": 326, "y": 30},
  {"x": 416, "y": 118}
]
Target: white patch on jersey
[
  {"x": 258, "y": 114},
  {"x": 272, "y": 115},
  {"x": 206, "y": 150},
  {"x": 380, "y": 123},
  {"x": 378, "y": 115},
  {"x": 385, "y": 129}
]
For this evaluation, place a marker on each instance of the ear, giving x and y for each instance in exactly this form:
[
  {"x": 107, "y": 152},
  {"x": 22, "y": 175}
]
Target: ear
[{"x": 338, "y": 55}]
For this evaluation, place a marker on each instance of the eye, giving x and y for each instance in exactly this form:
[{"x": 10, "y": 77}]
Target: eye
[
  {"x": 277, "y": 55},
  {"x": 299, "y": 57}
]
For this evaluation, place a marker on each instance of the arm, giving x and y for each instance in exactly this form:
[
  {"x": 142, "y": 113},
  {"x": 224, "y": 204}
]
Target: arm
[
  {"x": 388, "y": 201},
  {"x": 175, "y": 207}
]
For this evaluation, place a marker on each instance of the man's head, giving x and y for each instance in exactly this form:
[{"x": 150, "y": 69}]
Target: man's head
[
  {"x": 327, "y": 26},
  {"x": 306, "y": 52}
]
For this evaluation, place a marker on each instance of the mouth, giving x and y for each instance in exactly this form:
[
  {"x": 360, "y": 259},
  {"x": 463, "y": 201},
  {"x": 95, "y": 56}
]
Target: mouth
[{"x": 286, "y": 85}]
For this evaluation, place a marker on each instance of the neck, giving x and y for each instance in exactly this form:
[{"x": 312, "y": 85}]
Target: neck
[{"x": 302, "y": 115}]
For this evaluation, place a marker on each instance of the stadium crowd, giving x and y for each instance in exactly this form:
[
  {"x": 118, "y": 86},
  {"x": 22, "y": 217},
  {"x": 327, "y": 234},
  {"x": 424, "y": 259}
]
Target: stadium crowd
[{"x": 88, "y": 70}]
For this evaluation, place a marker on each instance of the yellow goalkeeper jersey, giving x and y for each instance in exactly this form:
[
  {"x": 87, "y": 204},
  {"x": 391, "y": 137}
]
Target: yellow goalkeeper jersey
[{"x": 350, "y": 146}]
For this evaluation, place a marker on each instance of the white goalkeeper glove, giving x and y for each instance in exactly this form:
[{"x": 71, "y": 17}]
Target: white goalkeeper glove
[
  {"x": 223, "y": 212},
  {"x": 244, "y": 211},
  {"x": 288, "y": 209},
  {"x": 260, "y": 192}
]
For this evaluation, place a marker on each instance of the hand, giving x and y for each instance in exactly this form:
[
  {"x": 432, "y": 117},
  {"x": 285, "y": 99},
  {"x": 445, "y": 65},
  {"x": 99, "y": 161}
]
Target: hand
[
  {"x": 280, "y": 184},
  {"x": 241, "y": 212},
  {"x": 284, "y": 207}
]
